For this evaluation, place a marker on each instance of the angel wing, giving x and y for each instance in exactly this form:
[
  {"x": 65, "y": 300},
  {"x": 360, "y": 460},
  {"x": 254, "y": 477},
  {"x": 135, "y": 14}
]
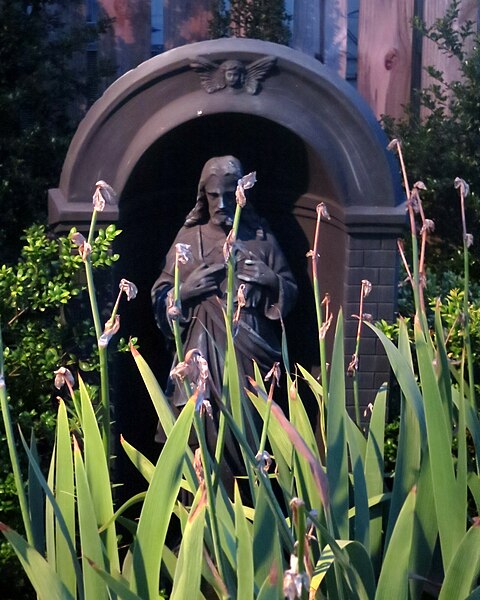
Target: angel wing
[
  {"x": 211, "y": 77},
  {"x": 256, "y": 72}
]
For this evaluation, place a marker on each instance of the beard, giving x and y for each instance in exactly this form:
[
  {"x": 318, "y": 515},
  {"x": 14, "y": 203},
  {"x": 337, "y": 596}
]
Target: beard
[{"x": 221, "y": 219}]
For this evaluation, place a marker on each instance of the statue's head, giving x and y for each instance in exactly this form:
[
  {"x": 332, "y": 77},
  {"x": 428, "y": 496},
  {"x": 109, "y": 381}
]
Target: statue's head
[
  {"x": 233, "y": 72},
  {"x": 216, "y": 192}
]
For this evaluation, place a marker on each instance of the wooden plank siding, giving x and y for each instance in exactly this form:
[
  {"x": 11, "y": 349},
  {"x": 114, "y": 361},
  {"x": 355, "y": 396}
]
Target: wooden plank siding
[
  {"x": 185, "y": 22},
  {"x": 386, "y": 68},
  {"x": 431, "y": 55},
  {"x": 385, "y": 54}
]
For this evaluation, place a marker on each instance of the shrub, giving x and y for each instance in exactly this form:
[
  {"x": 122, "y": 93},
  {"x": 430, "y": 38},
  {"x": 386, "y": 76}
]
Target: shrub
[{"x": 45, "y": 325}]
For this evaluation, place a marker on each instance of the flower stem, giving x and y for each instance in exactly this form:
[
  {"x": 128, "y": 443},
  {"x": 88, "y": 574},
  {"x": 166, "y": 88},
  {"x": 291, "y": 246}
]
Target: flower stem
[
  {"x": 102, "y": 351},
  {"x": 176, "y": 326},
  {"x": 466, "y": 314},
  {"x": 229, "y": 321},
  {"x": 217, "y": 548}
]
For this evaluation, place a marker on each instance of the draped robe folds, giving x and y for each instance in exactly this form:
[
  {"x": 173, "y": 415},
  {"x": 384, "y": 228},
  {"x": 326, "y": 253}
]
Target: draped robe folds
[{"x": 202, "y": 321}]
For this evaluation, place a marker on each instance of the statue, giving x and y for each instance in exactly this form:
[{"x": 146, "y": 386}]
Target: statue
[
  {"x": 232, "y": 75},
  {"x": 269, "y": 289}
]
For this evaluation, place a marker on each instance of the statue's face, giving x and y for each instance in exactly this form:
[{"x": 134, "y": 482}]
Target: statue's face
[
  {"x": 221, "y": 200},
  {"x": 232, "y": 73}
]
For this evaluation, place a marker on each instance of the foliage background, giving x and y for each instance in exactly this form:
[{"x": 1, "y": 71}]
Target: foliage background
[{"x": 43, "y": 92}]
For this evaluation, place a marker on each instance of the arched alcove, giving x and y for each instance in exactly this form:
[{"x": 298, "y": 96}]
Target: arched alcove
[{"x": 310, "y": 138}]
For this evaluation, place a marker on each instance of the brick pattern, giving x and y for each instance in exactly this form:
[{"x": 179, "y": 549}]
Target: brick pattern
[{"x": 373, "y": 257}]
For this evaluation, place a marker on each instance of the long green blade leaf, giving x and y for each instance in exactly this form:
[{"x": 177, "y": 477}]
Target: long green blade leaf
[
  {"x": 464, "y": 568},
  {"x": 65, "y": 496},
  {"x": 89, "y": 537},
  {"x": 98, "y": 477},
  {"x": 42, "y": 576},
  {"x": 245, "y": 585},
  {"x": 337, "y": 466},
  {"x": 393, "y": 580},
  {"x": 374, "y": 470},
  {"x": 189, "y": 566},
  {"x": 158, "y": 506},
  {"x": 451, "y": 524}
]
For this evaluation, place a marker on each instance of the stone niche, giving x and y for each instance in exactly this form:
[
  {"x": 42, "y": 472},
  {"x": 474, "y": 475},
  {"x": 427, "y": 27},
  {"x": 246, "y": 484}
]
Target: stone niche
[{"x": 311, "y": 139}]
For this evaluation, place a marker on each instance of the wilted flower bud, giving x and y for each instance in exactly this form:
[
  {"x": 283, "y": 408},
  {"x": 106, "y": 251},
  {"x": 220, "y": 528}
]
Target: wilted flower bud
[
  {"x": 368, "y": 410},
  {"x": 104, "y": 194},
  {"x": 462, "y": 186},
  {"x": 274, "y": 373},
  {"x": 129, "y": 288},
  {"x": 195, "y": 369},
  {"x": 322, "y": 211},
  {"x": 296, "y": 503},
  {"x": 245, "y": 183},
  {"x": 293, "y": 581},
  {"x": 248, "y": 181},
  {"x": 110, "y": 329},
  {"x": 428, "y": 226},
  {"x": 414, "y": 201},
  {"x": 366, "y": 288},
  {"x": 353, "y": 366},
  {"x": 469, "y": 239},
  {"x": 419, "y": 185},
  {"x": 228, "y": 245},
  {"x": 264, "y": 460},
  {"x": 393, "y": 144},
  {"x": 63, "y": 376},
  {"x": 184, "y": 253},
  {"x": 198, "y": 466},
  {"x": 84, "y": 248}
]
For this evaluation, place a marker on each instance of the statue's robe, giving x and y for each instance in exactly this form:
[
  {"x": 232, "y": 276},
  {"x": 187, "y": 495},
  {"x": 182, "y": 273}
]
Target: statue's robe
[{"x": 202, "y": 320}]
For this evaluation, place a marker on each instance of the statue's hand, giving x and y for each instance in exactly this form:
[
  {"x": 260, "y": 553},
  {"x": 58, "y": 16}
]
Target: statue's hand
[
  {"x": 256, "y": 271},
  {"x": 202, "y": 280}
]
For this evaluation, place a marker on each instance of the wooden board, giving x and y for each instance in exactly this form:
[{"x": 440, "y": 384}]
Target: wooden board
[
  {"x": 127, "y": 44},
  {"x": 335, "y": 35},
  {"x": 431, "y": 55},
  {"x": 185, "y": 22},
  {"x": 385, "y": 54}
]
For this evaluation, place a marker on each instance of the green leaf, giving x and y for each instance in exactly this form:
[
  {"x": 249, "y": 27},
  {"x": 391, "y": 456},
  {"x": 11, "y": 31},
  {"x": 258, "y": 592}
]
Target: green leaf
[
  {"x": 60, "y": 525},
  {"x": 356, "y": 444},
  {"x": 158, "y": 506},
  {"x": 50, "y": 516},
  {"x": 374, "y": 470},
  {"x": 401, "y": 367},
  {"x": 425, "y": 529},
  {"x": 266, "y": 543},
  {"x": 393, "y": 580},
  {"x": 89, "y": 537},
  {"x": 115, "y": 582},
  {"x": 42, "y": 576},
  {"x": 157, "y": 396},
  {"x": 189, "y": 566},
  {"x": 299, "y": 417},
  {"x": 450, "y": 513},
  {"x": 36, "y": 501},
  {"x": 65, "y": 497},
  {"x": 144, "y": 466},
  {"x": 355, "y": 564},
  {"x": 244, "y": 562},
  {"x": 337, "y": 466},
  {"x": 271, "y": 586},
  {"x": 98, "y": 477},
  {"x": 464, "y": 568}
]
